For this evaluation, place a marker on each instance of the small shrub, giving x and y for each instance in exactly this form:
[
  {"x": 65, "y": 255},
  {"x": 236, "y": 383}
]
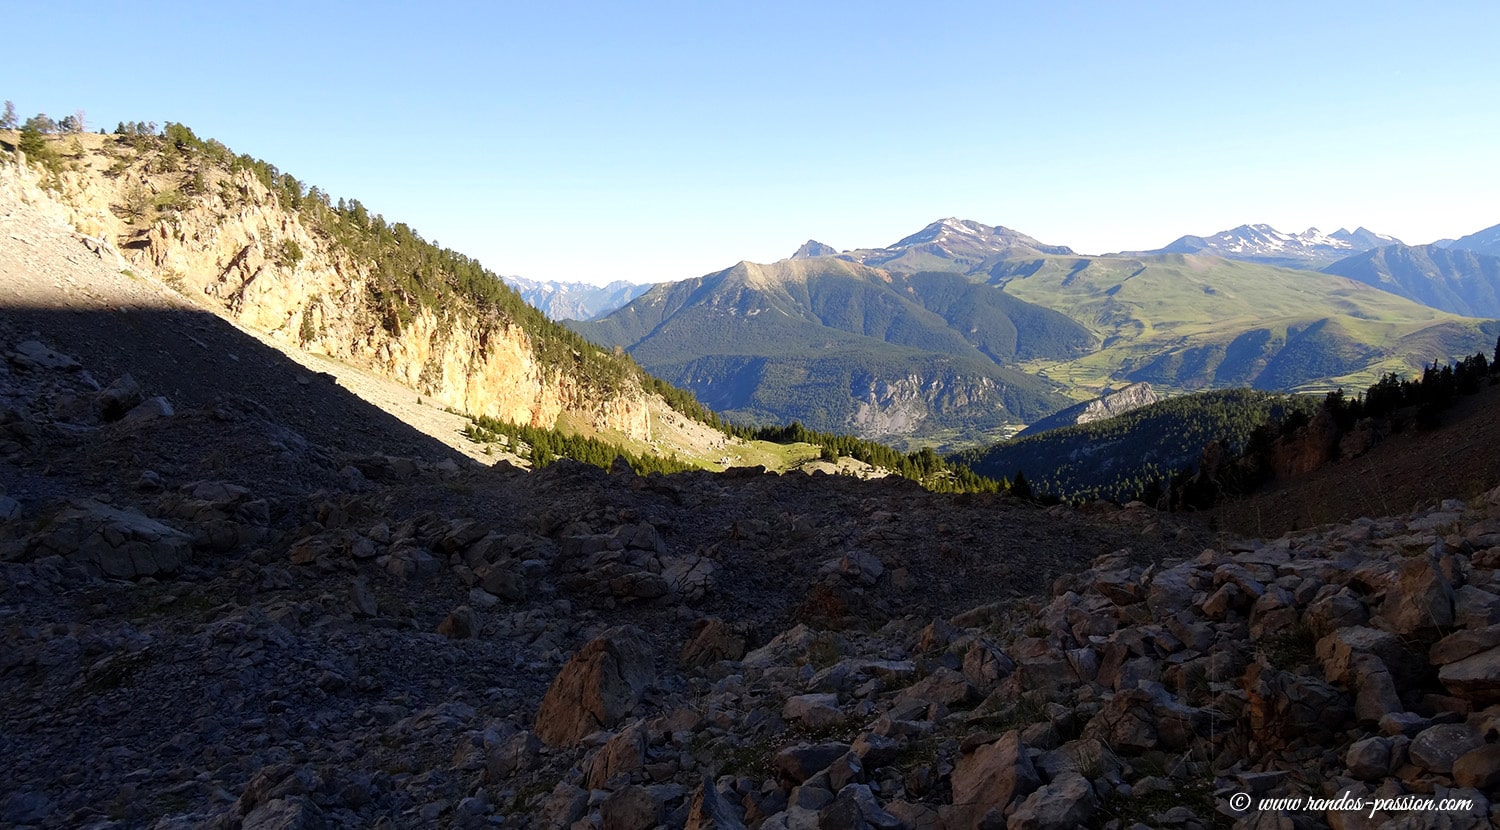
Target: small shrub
[
  {"x": 307, "y": 331},
  {"x": 170, "y": 200},
  {"x": 290, "y": 253}
]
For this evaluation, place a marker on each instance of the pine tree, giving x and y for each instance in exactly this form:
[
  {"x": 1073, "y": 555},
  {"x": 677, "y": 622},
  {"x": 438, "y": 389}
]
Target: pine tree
[
  {"x": 8, "y": 122},
  {"x": 1021, "y": 488},
  {"x": 41, "y": 123}
]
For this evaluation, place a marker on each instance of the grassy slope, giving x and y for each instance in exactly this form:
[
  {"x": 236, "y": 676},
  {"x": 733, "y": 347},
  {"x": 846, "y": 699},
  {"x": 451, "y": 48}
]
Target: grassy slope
[{"x": 1145, "y": 308}]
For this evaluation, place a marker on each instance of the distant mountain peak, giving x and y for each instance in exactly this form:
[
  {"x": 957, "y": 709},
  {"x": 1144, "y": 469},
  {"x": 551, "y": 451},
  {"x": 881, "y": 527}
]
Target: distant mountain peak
[
  {"x": 813, "y": 248},
  {"x": 952, "y": 226},
  {"x": 953, "y": 244},
  {"x": 575, "y": 300},
  {"x": 1260, "y": 242}
]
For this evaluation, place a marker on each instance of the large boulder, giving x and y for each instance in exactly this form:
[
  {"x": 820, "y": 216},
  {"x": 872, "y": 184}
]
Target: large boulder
[
  {"x": 625, "y": 753},
  {"x": 1284, "y": 707},
  {"x": 989, "y": 778},
  {"x": 710, "y": 812},
  {"x": 1438, "y": 747},
  {"x": 796, "y": 764},
  {"x": 814, "y": 711},
  {"x": 119, "y": 398},
  {"x": 630, "y": 808},
  {"x": 110, "y": 542},
  {"x": 1422, "y": 601},
  {"x": 1475, "y": 678},
  {"x": 713, "y": 640},
  {"x": 33, "y": 354},
  {"x": 597, "y": 688},
  {"x": 1067, "y": 802}
]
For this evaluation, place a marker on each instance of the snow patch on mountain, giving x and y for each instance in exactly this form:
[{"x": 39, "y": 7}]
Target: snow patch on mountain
[
  {"x": 575, "y": 300},
  {"x": 1263, "y": 243}
]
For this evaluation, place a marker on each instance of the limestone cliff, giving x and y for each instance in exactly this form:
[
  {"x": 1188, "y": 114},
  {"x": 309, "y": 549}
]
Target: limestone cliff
[
  {"x": 1108, "y": 405},
  {"x": 898, "y": 407},
  {"x": 222, "y": 237}
]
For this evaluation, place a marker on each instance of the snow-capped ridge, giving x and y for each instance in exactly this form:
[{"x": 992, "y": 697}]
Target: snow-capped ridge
[{"x": 1263, "y": 243}]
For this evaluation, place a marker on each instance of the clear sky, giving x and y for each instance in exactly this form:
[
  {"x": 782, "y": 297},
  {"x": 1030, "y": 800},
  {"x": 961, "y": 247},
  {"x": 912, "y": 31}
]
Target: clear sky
[{"x": 654, "y": 141}]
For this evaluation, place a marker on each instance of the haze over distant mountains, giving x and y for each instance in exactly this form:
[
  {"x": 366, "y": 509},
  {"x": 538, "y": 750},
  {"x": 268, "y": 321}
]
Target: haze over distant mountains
[
  {"x": 575, "y": 300},
  {"x": 1486, "y": 241},
  {"x": 1452, "y": 279}
]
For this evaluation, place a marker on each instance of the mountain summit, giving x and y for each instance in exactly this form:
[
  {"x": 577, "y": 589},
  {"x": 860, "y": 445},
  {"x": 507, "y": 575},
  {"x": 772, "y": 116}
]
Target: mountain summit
[
  {"x": 1262, "y": 243},
  {"x": 813, "y": 248},
  {"x": 949, "y": 242},
  {"x": 845, "y": 347}
]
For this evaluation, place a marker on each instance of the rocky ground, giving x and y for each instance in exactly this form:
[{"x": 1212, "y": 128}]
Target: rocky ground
[{"x": 209, "y": 620}]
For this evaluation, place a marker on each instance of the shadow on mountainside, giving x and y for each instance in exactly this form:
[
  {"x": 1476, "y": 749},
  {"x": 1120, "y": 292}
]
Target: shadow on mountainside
[
  {"x": 194, "y": 359},
  {"x": 1410, "y": 470}
]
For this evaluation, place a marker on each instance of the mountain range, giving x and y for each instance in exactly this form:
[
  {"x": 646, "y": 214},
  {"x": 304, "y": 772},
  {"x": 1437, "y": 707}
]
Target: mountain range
[
  {"x": 840, "y": 345},
  {"x": 575, "y": 300},
  {"x": 1453, "y": 278},
  {"x": 1005, "y": 326},
  {"x": 1264, "y": 244},
  {"x": 951, "y": 241}
]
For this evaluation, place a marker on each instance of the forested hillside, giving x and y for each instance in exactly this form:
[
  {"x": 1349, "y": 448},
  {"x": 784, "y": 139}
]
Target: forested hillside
[{"x": 1122, "y": 457}]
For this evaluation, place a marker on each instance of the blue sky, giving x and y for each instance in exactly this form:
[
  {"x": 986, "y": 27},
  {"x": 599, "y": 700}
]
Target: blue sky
[{"x": 656, "y": 141}]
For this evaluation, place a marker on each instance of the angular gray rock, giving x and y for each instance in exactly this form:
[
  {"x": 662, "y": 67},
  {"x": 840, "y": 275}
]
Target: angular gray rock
[
  {"x": 32, "y": 354},
  {"x": 631, "y": 808},
  {"x": 1475, "y": 678},
  {"x": 148, "y": 410},
  {"x": 815, "y": 711},
  {"x": 1438, "y": 747},
  {"x": 710, "y": 812},
  {"x": 1065, "y": 803},
  {"x": 1423, "y": 599},
  {"x": 459, "y": 624},
  {"x": 111, "y": 542},
  {"x": 119, "y": 398},
  {"x": 713, "y": 640}
]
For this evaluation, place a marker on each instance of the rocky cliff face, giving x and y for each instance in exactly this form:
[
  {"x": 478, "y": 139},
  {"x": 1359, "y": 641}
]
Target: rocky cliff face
[
  {"x": 239, "y": 252},
  {"x": 1108, "y": 405},
  {"x": 899, "y": 407}
]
